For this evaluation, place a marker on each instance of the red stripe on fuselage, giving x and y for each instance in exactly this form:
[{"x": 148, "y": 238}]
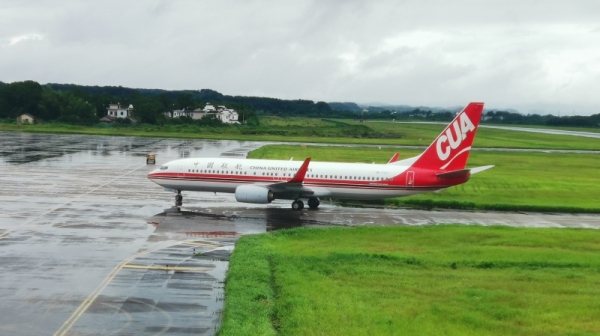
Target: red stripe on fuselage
[{"x": 308, "y": 182}]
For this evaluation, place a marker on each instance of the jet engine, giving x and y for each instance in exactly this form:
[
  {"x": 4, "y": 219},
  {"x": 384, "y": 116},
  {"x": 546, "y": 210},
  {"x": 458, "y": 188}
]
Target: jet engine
[{"x": 253, "y": 194}]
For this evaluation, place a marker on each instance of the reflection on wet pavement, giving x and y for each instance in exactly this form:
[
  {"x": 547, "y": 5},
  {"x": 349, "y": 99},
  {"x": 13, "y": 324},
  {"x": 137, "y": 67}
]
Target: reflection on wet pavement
[
  {"x": 87, "y": 248},
  {"x": 77, "y": 251}
]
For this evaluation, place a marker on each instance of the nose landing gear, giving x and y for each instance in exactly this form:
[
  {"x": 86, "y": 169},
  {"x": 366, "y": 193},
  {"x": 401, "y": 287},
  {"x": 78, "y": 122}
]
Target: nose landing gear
[{"x": 178, "y": 199}]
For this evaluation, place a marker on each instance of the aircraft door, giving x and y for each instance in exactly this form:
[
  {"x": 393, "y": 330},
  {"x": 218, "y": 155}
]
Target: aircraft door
[{"x": 410, "y": 179}]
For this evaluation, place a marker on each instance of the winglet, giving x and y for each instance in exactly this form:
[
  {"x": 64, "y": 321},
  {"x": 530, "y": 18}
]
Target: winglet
[
  {"x": 299, "y": 177},
  {"x": 394, "y": 158}
]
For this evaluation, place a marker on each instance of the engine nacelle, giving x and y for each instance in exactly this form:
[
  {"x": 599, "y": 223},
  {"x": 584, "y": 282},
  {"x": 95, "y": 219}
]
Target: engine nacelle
[{"x": 253, "y": 194}]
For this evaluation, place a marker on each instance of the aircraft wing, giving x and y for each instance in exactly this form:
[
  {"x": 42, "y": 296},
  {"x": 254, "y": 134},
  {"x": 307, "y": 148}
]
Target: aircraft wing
[
  {"x": 295, "y": 186},
  {"x": 299, "y": 177},
  {"x": 295, "y": 182}
]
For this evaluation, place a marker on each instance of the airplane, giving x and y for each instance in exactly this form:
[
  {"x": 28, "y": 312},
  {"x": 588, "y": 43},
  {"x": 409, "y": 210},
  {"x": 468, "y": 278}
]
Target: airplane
[{"x": 440, "y": 166}]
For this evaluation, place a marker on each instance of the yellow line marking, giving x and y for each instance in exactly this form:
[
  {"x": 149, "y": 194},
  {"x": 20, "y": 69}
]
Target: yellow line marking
[
  {"x": 90, "y": 299},
  {"x": 191, "y": 243},
  {"x": 165, "y": 268}
]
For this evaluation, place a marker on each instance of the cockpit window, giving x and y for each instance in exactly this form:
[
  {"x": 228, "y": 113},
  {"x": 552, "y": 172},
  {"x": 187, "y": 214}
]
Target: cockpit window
[{"x": 164, "y": 168}]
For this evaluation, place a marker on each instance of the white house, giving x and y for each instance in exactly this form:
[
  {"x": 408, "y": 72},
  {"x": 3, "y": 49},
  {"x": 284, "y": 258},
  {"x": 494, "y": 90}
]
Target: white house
[
  {"x": 118, "y": 111},
  {"x": 26, "y": 118},
  {"x": 227, "y": 116},
  {"x": 198, "y": 114},
  {"x": 209, "y": 108},
  {"x": 182, "y": 113}
]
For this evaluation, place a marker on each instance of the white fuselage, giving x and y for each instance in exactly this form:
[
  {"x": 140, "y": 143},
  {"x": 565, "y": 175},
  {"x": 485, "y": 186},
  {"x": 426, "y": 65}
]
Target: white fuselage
[{"x": 323, "y": 179}]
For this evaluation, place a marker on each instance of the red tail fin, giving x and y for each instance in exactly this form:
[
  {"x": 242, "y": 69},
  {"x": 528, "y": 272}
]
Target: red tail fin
[{"x": 451, "y": 148}]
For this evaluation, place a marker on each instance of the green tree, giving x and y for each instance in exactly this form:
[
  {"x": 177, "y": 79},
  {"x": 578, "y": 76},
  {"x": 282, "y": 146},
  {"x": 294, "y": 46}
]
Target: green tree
[
  {"x": 186, "y": 101},
  {"x": 20, "y": 97},
  {"x": 150, "y": 111},
  {"x": 75, "y": 110}
]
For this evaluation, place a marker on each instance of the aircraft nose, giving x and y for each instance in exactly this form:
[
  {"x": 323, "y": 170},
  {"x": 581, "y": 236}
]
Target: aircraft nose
[{"x": 153, "y": 173}]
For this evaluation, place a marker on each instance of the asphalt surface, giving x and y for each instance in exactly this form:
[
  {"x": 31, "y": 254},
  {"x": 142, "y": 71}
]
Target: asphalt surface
[{"x": 89, "y": 246}]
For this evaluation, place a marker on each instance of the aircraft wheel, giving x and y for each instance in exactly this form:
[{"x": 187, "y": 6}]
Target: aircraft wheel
[
  {"x": 297, "y": 205},
  {"x": 313, "y": 202}
]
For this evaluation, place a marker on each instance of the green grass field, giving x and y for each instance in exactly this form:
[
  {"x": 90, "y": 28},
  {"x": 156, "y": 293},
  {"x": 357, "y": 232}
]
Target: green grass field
[
  {"x": 519, "y": 181},
  {"x": 424, "y": 134},
  {"x": 434, "y": 280},
  {"x": 312, "y": 130}
]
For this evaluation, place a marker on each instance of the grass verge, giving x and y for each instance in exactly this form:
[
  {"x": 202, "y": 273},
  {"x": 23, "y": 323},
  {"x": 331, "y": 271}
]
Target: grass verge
[
  {"x": 434, "y": 280},
  {"x": 313, "y": 130},
  {"x": 520, "y": 181}
]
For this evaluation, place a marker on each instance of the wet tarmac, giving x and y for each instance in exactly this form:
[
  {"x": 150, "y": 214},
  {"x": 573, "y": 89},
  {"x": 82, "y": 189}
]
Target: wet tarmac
[{"x": 87, "y": 248}]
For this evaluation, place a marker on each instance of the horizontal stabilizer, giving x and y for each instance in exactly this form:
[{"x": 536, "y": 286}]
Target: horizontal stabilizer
[
  {"x": 394, "y": 158},
  {"x": 406, "y": 162},
  {"x": 480, "y": 169},
  {"x": 453, "y": 174}
]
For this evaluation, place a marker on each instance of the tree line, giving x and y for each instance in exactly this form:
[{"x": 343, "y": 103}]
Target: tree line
[
  {"x": 499, "y": 117},
  {"x": 80, "y": 104}
]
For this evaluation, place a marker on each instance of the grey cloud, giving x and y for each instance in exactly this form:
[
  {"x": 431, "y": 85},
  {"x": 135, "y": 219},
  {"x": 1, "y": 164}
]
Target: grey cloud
[{"x": 429, "y": 52}]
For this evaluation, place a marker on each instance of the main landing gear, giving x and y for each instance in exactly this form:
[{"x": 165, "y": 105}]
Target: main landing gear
[
  {"x": 313, "y": 203},
  {"x": 297, "y": 205}
]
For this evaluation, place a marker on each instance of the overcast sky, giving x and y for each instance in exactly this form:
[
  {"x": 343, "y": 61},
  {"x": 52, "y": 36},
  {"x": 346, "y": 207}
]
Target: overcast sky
[{"x": 521, "y": 54}]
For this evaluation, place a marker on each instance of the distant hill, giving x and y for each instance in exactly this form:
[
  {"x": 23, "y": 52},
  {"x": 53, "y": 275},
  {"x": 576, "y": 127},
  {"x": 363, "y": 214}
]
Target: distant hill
[
  {"x": 353, "y": 107},
  {"x": 349, "y": 106}
]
